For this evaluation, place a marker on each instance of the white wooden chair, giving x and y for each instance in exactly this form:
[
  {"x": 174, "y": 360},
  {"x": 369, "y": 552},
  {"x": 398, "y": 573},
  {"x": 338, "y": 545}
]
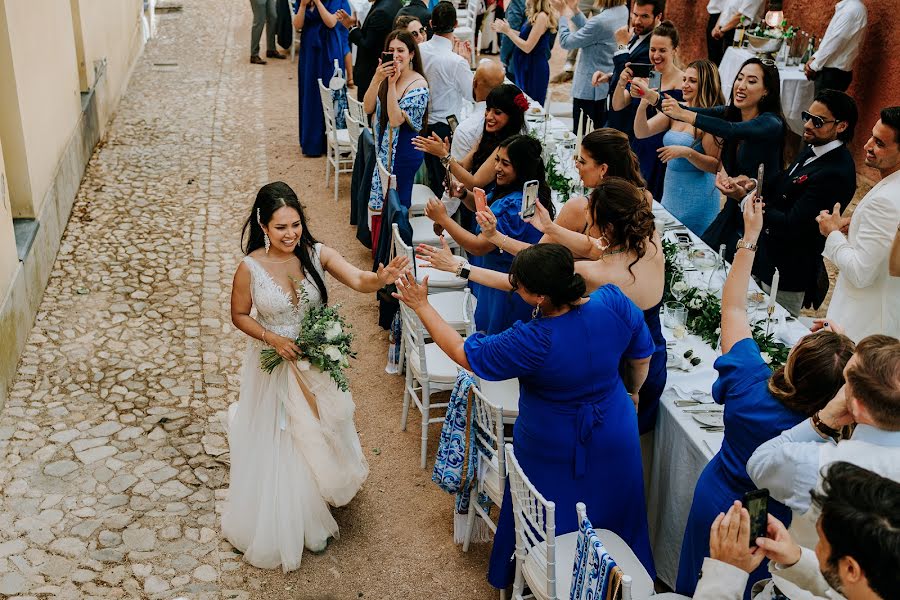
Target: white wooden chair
[
  {"x": 428, "y": 369},
  {"x": 295, "y": 33},
  {"x": 337, "y": 153},
  {"x": 490, "y": 445},
  {"x": 438, "y": 281},
  {"x": 544, "y": 561},
  {"x": 358, "y": 111},
  {"x": 421, "y": 194},
  {"x": 354, "y": 128},
  {"x": 465, "y": 30}
]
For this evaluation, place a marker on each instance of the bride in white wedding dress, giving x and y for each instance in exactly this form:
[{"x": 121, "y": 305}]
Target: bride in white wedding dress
[{"x": 292, "y": 453}]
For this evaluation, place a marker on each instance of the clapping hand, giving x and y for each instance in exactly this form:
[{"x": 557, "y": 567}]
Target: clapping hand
[
  {"x": 410, "y": 293},
  {"x": 462, "y": 48},
  {"x": 600, "y": 78},
  {"x": 389, "y": 274},
  {"x": 346, "y": 19},
  {"x": 437, "y": 258},
  {"x": 729, "y": 539},
  {"x": 673, "y": 109},
  {"x": 830, "y": 221},
  {"x": 436, "y": 211},
  {"x": 501, "y": 26},
  {"x": 432, "y": 144}
]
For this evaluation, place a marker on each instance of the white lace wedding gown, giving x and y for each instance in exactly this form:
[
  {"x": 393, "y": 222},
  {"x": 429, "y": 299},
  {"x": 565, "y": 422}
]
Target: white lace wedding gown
[{"x": 287, "y": 467}]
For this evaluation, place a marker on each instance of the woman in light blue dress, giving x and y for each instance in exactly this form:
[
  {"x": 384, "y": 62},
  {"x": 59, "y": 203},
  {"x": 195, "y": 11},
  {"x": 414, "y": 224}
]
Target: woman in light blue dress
[{"x": 691, "y": 156}]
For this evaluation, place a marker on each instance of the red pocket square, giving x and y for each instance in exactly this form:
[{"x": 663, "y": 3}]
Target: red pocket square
[{"x": 800, "y": 179}]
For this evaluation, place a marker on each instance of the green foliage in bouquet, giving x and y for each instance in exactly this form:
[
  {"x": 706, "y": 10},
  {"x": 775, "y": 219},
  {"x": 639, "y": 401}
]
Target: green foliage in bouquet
[{"x": 325, "y": 341}]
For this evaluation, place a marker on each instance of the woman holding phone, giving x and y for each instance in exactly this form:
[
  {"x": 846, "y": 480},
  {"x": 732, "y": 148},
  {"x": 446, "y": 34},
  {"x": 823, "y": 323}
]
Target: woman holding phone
[
  {"x": 750, "y": 130},
  {"x": 691, "y": 156},
  {"x": 665, "y": 77},
  {"x": 398, "y": 96},
  {"x": 759, "y": 405},
  {"x": 518, "y": 158}
]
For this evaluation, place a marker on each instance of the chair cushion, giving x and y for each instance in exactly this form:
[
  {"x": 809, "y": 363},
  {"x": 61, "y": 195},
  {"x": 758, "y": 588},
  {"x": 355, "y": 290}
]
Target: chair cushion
[
  {"x": 343, "y": 137},
  {"x": 421, "y": 194},
  {"x": 535, "y": 569},
  {"x": 450, "y": 306},
  {"x": 440, "y": 368},
  {"x": 438, "y": 279}
]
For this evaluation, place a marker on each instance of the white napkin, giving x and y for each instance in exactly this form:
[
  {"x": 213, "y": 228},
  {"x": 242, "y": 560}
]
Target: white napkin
[{"x": 682, "y": 393}]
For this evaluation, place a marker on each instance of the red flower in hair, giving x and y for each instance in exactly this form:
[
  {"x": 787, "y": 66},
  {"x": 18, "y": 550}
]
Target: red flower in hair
[{"x": 521, "y": 102}]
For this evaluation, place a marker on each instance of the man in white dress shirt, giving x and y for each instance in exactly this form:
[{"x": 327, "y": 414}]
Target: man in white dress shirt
[
  {"x": 730, "y": 18},
  {"x": 866, "y": 298},
  {"x": 790, "y": 465},
  {"x": 449, "y": 83},
  {"x": 856, "y": 556},
  {"x": 832, "y": 65},
  {"x": 488, "y": 75}
]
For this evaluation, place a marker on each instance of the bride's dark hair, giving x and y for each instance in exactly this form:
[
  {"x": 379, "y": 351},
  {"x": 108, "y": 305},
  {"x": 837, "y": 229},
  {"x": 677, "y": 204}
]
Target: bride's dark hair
[{"x": 270, "y": 198}]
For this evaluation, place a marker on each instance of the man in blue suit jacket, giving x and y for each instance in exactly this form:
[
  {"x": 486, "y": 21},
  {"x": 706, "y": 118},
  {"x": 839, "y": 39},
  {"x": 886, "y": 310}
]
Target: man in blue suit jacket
[{"x": 645, "y": 16}]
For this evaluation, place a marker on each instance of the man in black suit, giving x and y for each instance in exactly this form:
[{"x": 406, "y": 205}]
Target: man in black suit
[
  {"x": 633, "y": 47},
  {"x": 369, "y": 39},
  {"x": 824, "y": 173}
]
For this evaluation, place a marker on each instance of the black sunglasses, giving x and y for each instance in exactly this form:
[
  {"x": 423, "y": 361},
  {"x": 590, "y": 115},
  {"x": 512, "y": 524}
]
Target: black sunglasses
[
  {"x": 418, "y": 32},
  {"x": 817, "y": 122}
]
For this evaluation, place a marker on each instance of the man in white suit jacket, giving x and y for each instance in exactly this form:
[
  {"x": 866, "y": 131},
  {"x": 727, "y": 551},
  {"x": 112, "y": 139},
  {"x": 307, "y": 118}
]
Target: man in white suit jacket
[{"x": 866, "y": 298}]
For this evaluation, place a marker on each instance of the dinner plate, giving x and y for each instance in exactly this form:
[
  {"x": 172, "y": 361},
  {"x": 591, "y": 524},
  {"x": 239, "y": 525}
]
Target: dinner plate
[{"x": 713, "y": 419}]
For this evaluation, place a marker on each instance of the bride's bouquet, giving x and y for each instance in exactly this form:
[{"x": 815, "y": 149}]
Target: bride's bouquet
[{"x": 325, "y": 340}]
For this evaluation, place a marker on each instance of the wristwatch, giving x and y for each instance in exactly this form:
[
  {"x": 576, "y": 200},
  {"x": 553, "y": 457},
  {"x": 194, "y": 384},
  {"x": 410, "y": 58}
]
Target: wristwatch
[
  {"x": 823, "y": 429},
  {"x": 621, "y": 47},
  {"x": 463, "y": 270},
  {"x": 748, "y": 245}
]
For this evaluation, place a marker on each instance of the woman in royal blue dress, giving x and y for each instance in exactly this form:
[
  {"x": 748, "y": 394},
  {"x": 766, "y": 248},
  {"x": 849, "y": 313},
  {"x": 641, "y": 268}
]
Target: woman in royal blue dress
[
  {"x": 690, "y": 155},
  {"x": 321, "y": 44},
  {"x": 518, "y": 160},
  {"x": 531, "y": 56},
  {"x": 759, "y": 405},
  {"x": 576, "y": 435},
  {"x": 627, "y": 97},
  {"x": 398, "y": 96}
]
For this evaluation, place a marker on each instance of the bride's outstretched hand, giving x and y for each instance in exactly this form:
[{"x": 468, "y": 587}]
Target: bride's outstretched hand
[
  {"x": 410, "y": 293},
  {"x": 389, "y": 274},
  {"x": 438, "y": 258}
]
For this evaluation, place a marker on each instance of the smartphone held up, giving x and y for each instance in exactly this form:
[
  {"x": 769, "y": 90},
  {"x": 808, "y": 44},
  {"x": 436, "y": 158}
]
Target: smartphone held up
[
  {"x": 529, "y": 198},
  {"x": 757, "y": 504}
]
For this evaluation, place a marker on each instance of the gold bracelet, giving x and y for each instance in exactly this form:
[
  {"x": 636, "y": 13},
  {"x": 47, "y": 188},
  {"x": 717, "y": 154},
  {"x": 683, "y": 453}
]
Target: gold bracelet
[
  {"x": 265, "y": 331},
  {"x": 500, "y": 243}
]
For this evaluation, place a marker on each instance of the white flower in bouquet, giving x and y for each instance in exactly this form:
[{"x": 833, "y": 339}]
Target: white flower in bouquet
[
  {"x": 766, "y": 358},
  {"x": 679, "y": 286},
  {"x": 718, "y": 330},
  {"x": 333, "y": 352},
  {"x": 694, "y": 303},
  {"x": 333, "y": 330}
]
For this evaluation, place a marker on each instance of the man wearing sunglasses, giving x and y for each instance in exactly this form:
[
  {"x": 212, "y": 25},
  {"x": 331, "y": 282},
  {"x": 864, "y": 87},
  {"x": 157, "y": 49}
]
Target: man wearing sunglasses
[
  {"x": 823, "y": 174},
  {"x": 419, "y": 10}
]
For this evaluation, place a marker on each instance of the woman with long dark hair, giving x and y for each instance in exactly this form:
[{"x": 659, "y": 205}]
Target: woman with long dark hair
[
  {"x": 576, "y": 434},
  {"x": 504, "y": 117},
  {"x": 751, "y": 131},
  {"x": 294, "y": 448},
  {"x": 759, "y": 405},
  {"x": 398, "y": 96},
  {"x": 518, "y": 160}
]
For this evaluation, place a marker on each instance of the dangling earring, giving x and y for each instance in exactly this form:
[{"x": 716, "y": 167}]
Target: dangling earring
[
  {"x": 602, "y": 243},
  {"x": 536, "y": 311},
  {"x": 265, "y": 235}
]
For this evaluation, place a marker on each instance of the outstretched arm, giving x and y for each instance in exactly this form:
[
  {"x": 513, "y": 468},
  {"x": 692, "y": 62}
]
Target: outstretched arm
[
  {"x": 357, "y": 279},
  {"x": 444, "y": 260}
]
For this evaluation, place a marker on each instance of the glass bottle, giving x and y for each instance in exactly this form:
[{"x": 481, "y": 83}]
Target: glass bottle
[{"x": 719, "y": 274}]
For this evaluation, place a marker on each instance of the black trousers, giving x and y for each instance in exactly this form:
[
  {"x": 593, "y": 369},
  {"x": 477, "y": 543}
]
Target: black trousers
[
  {"x": 595, "y": 110},
  {"x": 833, "y": 79},
  {"x": 433, "y": 166},
  {"x": 715, "y": 49}
]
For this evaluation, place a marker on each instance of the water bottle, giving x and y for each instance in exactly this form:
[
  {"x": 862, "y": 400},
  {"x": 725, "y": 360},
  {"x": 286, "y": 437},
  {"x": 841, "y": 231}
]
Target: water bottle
[{"x": 719, "y": 274}]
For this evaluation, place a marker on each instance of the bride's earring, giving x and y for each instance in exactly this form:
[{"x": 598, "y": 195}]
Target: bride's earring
[{"x": 266, "y": 240}]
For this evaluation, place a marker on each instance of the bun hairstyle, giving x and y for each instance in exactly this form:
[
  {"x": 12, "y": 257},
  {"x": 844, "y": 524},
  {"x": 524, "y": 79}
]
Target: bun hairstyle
[
  {"x": 621, "y": 212},
  {"x": 502, "y": 98},
  {"x": 269, "y": 199},
  {"x": 524, "y": 154},
  {"x": 548, "y": 270},
  {"x": 611, "y": 147},
  {"x": 813, "y": 373},
  {"x": 667, "y": 29}
]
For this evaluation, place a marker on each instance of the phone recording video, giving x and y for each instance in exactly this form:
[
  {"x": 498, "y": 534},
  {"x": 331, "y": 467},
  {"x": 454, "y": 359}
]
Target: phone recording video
[
  {"x": 640, "y": 69},
  {"x": 757, "y": 504},
  {"x": 387, "y": 57},
  {"x": 529, "y": 198},
  {"x": 654, "y": 81},
  {"x": 480, "y": 199},
  {"x": 452, "y": 123}
]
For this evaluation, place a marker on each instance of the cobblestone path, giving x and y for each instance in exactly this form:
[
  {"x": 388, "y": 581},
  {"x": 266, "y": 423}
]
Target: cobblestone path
[{"x": 113, "y": 459}]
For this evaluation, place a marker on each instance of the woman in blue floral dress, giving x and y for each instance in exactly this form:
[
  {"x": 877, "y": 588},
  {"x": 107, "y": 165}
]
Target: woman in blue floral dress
[{"x": 398, "y": 96}]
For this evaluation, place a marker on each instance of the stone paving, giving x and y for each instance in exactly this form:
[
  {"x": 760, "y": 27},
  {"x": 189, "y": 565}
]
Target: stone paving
[{"x": 112, "y": 456}]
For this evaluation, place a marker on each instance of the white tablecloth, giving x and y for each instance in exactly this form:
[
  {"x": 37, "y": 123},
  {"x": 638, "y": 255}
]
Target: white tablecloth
[{"x": 797, "y": 91}]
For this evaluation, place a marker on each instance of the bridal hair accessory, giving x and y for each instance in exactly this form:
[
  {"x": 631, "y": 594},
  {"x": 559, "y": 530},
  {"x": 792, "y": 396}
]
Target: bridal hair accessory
[
  {"x": 521, "y": 102},
  {"x": 265, "y": 235}
]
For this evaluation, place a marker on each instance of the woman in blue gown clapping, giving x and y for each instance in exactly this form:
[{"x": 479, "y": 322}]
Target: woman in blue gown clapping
[
  {"x": 759, "y": 405},
  {"x": 576, "y": 435},
  {"x": 518, "y": 160},
  {"x": 320, "y": 45},
  {"x": 531, "y": 55}
]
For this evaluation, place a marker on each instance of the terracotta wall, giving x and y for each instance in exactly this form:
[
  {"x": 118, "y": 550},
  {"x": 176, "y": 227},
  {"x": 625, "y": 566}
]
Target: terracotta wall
[{"x": 876, "y": 76}]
